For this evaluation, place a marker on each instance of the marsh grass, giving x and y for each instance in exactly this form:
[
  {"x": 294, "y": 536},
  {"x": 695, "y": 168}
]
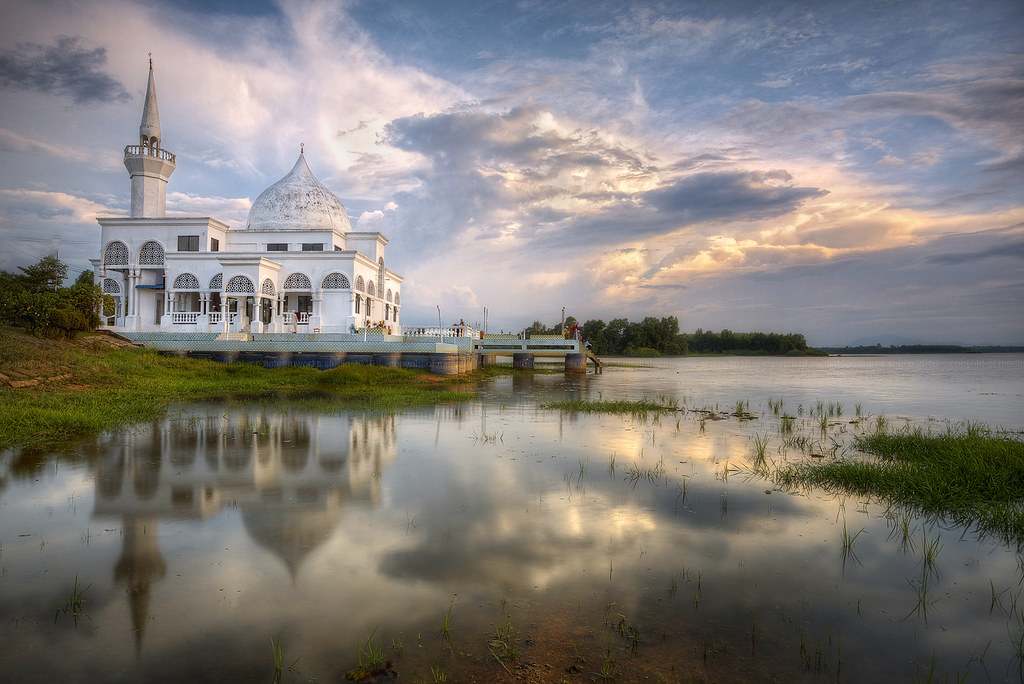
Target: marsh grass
[
  {"x": 966, "y": 476},
  {"x": 369, "y": 654},
  {"x": 632, "y": 408},
  {"x": 278, "y": 653},
  {"x": 760, "y": 446},
  {"x": 74, "y": 602},
  {"x": 786, "y": 424},
  {"x": 505, "y": 644},
  {"x": 445, "y": 630}
]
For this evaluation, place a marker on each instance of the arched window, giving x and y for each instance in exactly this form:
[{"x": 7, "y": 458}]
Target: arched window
[
  {"x": 335, "y": 281},
  {"x": 370, "y": 289},
  {"x": 389, "y": 295},
  {"x": 380, "y": 276},
  {"x": 110, "y": 286},
  {"x": 217, "y": 282},
  {"x": 268, "y": 287},
  {"x": 240, "y": 283},
  {"x": 186, "y": 281},
  {"x": 397, "y": 299},
  {"x": 387, "y": 311},
  {"x": 298, "y": 281},
  {"x": 359, "y": 301},
  {"x": 360, "y": 285},
  {"x": 151, "y": 254},
  {"x": 116, "y": 254}
]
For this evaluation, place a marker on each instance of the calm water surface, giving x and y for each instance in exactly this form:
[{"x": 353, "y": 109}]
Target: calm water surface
[{"x": 643, "y": 546}]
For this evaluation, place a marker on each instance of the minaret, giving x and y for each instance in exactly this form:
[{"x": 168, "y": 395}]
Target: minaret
[{"x": 148, "y": 164}]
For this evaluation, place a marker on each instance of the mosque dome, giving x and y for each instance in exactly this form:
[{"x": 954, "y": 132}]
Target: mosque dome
[{"x": 298, "y": 202}]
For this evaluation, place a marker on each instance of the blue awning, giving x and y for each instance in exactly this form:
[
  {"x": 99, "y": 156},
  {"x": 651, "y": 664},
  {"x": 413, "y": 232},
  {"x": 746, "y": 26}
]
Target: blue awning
[{"x": 149, "y": 287}]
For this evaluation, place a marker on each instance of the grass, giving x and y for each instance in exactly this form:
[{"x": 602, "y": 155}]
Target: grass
[
  {"x": 633, "y": 408},
  {"x": 786, "y": 424},
  {"x": 446, "y": 624},
  {"x": 370, "y": 655},
  {"x": 760, "y": 445},
  {"x": 505, "y": 644},
  {"x": 278, "y": 651},
  {"x": 967, "y": 476},
  {"x": 83, "y": 387},
  {"x": 74, "y": 602}
]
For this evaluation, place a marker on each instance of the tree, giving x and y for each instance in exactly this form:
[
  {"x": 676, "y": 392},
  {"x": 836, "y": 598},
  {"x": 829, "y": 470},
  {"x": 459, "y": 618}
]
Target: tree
[
  {"x": 46, "y": 276},
  {"x": 35, "y": 300}
]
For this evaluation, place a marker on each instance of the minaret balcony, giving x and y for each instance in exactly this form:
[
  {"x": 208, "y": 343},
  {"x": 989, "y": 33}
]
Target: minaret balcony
[{"x": 147, "y": 151}]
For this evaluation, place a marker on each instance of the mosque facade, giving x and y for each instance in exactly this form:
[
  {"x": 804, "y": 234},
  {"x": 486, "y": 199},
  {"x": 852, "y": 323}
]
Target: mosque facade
[{"x": 295, "y": 267}]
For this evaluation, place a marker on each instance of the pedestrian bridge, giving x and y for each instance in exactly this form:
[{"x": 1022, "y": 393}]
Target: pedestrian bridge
[{"x": 445, "y": 351}]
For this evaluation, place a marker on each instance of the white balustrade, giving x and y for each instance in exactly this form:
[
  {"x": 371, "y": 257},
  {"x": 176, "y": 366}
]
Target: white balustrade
[
  {"x": 185, "y": 317},
  {"x": 434, "y": 331}
]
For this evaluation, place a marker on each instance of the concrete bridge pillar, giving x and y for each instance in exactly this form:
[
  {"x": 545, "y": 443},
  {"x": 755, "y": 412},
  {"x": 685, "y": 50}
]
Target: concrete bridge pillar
[
  {"x": 442, "y": 363},
  {"x": 575, "y": 363},
  {"x": 522, "y": 361}
]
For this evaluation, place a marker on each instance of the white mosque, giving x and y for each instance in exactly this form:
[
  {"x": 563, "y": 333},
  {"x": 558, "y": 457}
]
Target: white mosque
[{"x": 297, "y": 265}]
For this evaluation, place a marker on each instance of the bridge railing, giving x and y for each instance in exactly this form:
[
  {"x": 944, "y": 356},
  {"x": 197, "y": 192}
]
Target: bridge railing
[{"x": 434, "y": 331}]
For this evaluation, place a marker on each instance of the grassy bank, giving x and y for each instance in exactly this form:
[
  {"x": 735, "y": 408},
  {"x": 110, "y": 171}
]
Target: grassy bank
[
  {"x": 52, "y": 391},
  {"x": 967, "y": 476}
]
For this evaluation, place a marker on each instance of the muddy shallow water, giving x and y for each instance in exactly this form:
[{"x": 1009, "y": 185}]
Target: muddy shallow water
[{"x": 590, "y": 544}]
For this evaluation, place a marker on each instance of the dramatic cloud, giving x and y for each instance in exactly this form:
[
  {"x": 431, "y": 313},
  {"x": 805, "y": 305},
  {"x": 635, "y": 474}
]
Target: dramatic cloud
[
  {"x": 745, "y": 165},
  {"x": 67, "y": 69}
]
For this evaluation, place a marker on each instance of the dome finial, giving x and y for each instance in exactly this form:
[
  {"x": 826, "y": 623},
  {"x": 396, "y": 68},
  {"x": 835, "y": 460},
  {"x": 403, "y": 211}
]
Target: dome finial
[{"x": 302, "y": 148}]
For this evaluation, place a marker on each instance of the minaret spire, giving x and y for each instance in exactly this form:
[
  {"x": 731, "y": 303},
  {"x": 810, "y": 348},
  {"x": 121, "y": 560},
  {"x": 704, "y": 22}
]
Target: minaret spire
[
  {"x": 148, "y": 163},
  {"x": 149, "y": 131}
]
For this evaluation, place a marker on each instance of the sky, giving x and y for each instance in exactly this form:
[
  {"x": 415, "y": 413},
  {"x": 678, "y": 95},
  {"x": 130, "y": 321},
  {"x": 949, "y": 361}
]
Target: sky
[{"x": 845, "y": 170}]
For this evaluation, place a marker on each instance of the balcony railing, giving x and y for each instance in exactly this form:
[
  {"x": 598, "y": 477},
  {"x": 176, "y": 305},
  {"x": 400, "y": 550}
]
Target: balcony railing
[
  {"x": 148, "y": 151},
  {"x": 217, "y": 317},
  {"x": 185, "y": 317}
]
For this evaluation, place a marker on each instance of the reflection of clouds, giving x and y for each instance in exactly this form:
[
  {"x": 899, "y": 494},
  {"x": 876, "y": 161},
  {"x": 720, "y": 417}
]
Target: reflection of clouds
[{"x": 461, "y": 515}]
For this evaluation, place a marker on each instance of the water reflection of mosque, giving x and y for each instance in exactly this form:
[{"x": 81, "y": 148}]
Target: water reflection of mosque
[{"x": 289, "y": 474}]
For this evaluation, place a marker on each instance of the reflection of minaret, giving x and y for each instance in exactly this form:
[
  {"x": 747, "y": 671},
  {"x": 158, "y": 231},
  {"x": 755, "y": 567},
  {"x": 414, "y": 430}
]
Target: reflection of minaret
[{"x": 139, "y": 566}]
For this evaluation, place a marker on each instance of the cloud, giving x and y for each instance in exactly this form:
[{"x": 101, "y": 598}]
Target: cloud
[
  {"x": 734, "y": 196},
  {"x": 67, "y": 69},
  {"x": 529, "y": 180},
  {"x": 232, "y": 211}
]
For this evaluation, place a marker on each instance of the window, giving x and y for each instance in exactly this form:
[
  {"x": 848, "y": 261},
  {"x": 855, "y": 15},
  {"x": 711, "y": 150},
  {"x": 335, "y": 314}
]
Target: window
[
  {"x": 337, "y": 248},
  {"x": 214, "y": 245},
  {"x": 277, "y": 247},
  {"x": 188, "y": 243},
  {"x": 312, "y": 246},
  {"x": 358, "y": 301}
]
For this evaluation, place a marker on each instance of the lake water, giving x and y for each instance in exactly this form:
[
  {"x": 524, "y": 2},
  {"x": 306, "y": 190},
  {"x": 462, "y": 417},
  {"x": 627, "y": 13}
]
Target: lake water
[{"x": 643, "y": 547}]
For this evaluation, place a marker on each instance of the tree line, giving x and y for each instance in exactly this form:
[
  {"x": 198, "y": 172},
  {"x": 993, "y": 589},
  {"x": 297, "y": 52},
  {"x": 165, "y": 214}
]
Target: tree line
[
  {"x": 37, "y": 300},
  {"x": 657, "y": 336}
]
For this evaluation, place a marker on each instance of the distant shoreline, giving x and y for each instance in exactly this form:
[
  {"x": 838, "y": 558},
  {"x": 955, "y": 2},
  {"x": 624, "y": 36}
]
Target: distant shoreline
[{"x": 923, "y": 349}]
